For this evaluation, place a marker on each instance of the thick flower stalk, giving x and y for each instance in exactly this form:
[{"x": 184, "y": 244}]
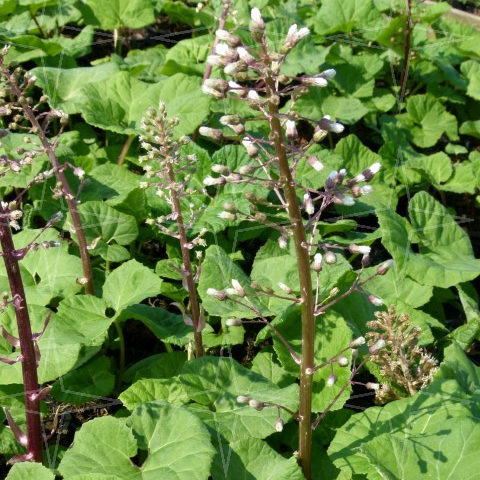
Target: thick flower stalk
[
  {"x": 26, "y": 342},
  {"x": 169, "y": 173},
  {"x": 258, "y": 80},
  {"x": 22, "y": 108}
]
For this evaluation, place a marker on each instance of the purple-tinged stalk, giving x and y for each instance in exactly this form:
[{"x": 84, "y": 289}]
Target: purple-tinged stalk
[
  {"x": 162, "y": 148},
  {"x": 23, "y": 103},
  {"x": 28, "y": 354},
  {"x": 406, "y": 52}
]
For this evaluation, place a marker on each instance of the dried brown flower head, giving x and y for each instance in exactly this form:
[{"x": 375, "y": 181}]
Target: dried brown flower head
[{"x": 405, "y": 368}]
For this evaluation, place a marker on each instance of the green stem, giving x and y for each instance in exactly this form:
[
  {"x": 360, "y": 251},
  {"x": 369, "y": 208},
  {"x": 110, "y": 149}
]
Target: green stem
[
  {"x": 40, "y": 29},
  {"x": 303, "y": 263},
  {"x": 125, "y": 148},
  {"x": 121, "y": 362}
]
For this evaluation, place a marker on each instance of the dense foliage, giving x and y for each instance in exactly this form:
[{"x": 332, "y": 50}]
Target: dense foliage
[{"x": 126, "y": 385}]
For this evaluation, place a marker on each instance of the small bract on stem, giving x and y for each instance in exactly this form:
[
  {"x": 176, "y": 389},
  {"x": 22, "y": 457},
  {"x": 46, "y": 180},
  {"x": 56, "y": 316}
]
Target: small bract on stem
[
  {"x": 169, "y": 173},
  {"x": 257, "y": 79}
]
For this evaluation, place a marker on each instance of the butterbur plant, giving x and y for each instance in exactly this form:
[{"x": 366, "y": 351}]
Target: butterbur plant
[
  {"x": 26, "y": 116},
  {"x": 169, "y": 172},
  {"x": 256, "y": 77},
  {"x": 405, "y": 367}
]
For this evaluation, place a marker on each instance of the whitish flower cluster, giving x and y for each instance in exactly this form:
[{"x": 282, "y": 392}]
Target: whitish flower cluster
[
  {"x": 243, "y": 62},
  {"x": 164, "y": 166},
  {"x": 258, "y": 80}
]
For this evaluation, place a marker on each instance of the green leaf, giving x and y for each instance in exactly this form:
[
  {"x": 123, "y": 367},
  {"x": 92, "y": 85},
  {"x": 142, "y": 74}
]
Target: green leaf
[
  {"x": 166, "y": 326},
  {"x": 471, "y": 69},
  {"x": 217, "y": 381},
  {"x": 116, "y": 182},
  {"x": 273, "y": 264},
  {"x": 265, "y": 364},
  {"x": 345, "y": 16},
  {"x": 168, "y": 390},
  {"x": 119, "y": 103},
  {"x": 345, "y": 109},
  {"x": 226, "y": 336},
  {"x": 118, "y": 13},
  {"x": 64, "y": 86},
  {"x": 84, "y": 318},
  {"x": 437, "y": 264},
  {"x": 114, "y": 446},
  {"x": 318, "y": 102},
  {"x": 358, "y": 157},
  {"x": 435, "y": 227},
  {"x": 394, "y": 286},
  {"x": 130, "y": 283},
  {"x": 470, "y": 128},
  {"x": 415, "y": 420},
  {"x": 466, "y": 333},
  {"x": 437, "y": 168},
  {"x": 73, "y": 335},
  {"x": 178, "y": 443},
  {"x": 25, "y": 176},
  {"x": 80, "y": 322},
  {"x": 457, "y": 366},
  {"x": 463, "y": 180},
  {"x": 188, "y": 56},
  {"x": 27, "y": 471},
  {"x": 427, "y": 119},
  {"x": 252, "y": 458},
  {"x": 146, "y": 63},
  {"x": 162, "y": 365},
  {"x": 217, "y": 272},
  {"x": 104, "y": 226},
  {"x": 90, "y": 381},
  {"x": 47, "y": 273},
  {"x": 425, "y": 454},
  {"x": 331, "y": 335}
]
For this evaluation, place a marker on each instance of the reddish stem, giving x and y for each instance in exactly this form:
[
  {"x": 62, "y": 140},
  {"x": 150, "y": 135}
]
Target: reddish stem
[
  {"x": 187, "y": 270},
  {"x": 27, "y": 348},
  {"x": 67, "y": 191},
  {"x": 406, "y": 51}
]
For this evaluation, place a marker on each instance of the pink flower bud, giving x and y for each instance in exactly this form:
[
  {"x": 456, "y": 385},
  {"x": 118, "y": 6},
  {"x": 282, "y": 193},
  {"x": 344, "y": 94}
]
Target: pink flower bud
[
  {"x": 342, "y": 361},
  {"x": 317, "y": 262},
  {"x": 384, "y": 267},
  {"x": 375, "y": 300},
  {"x": 359, "y": 341},
  {"x": 330, "y": 257},
  {"x": 279, "y": 424},
  {"x": 291, "y": 130},
  {"x": 363, "y": 249},
  {"x": 331, "y": 380},
  {"x": 313, "y": 161}
]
